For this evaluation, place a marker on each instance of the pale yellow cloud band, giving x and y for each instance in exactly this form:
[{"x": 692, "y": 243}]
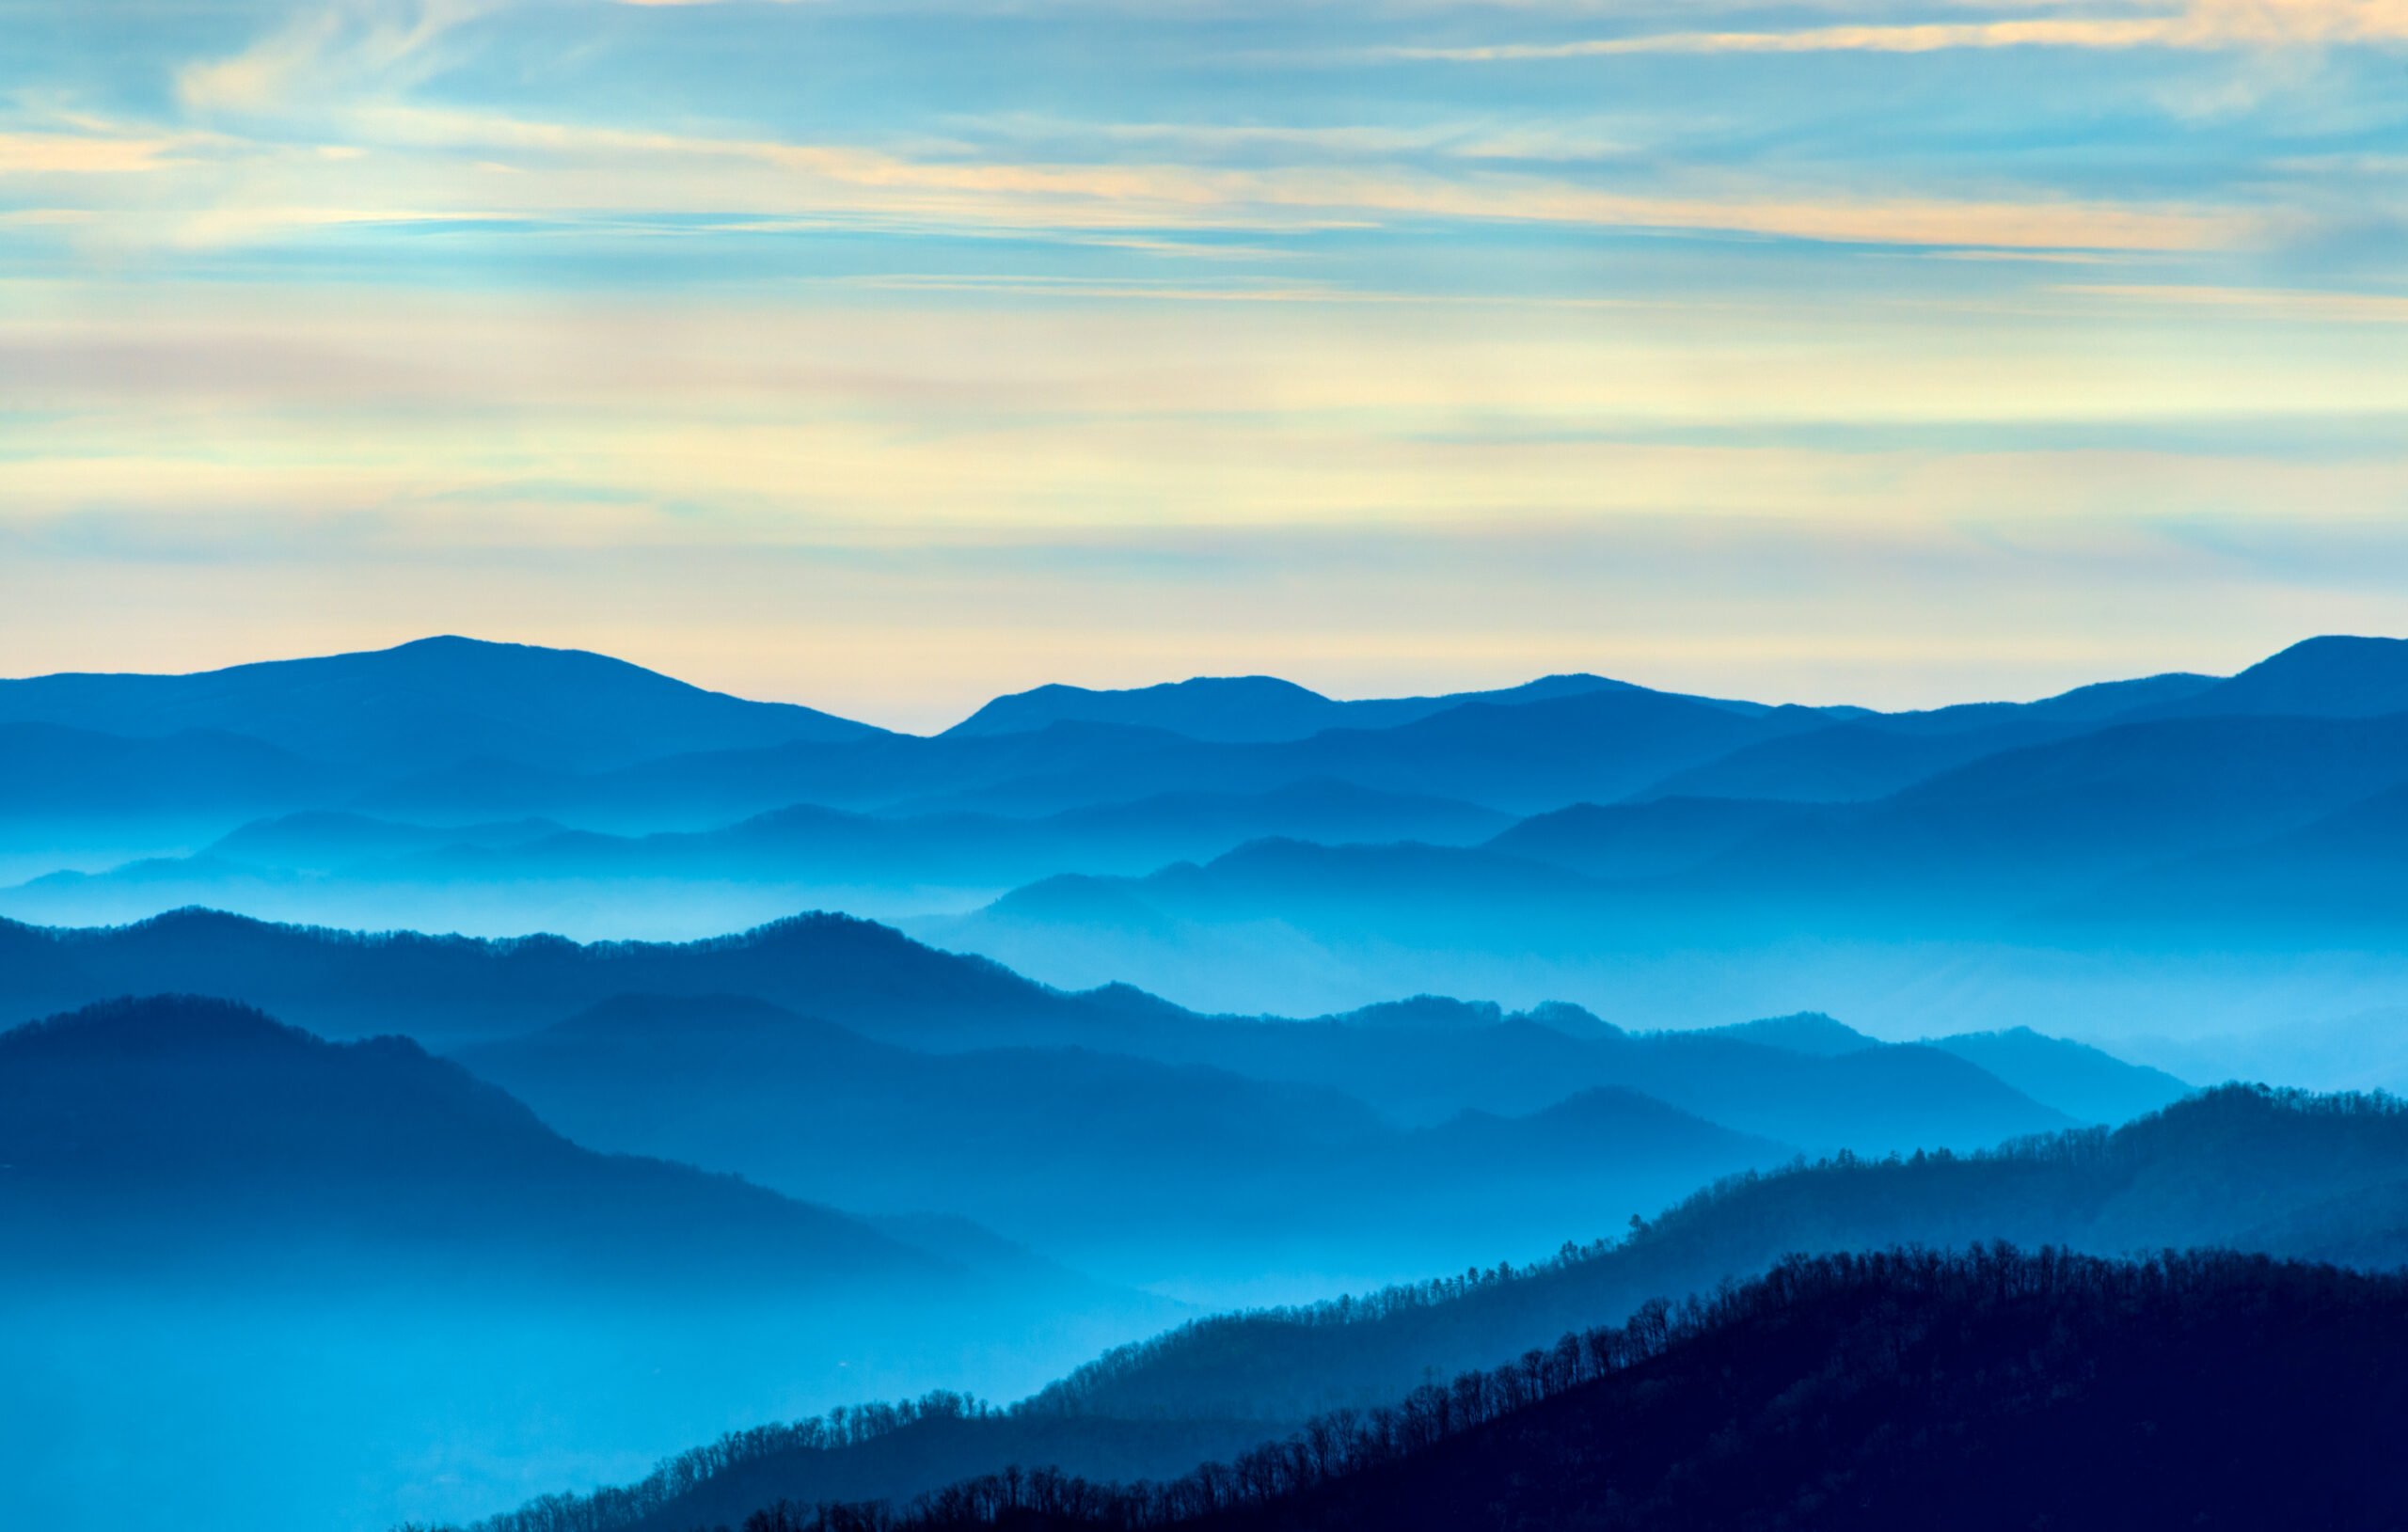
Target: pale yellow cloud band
[
  {"x": 2289, "y": 304},
  {"x": 2207, "y": 24},
  {"x": 918, "y": 420},
  {"x": 83, "y": 154}
]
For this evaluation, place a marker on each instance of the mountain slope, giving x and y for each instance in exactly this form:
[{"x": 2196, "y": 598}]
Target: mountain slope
[
  {"x": 1370, "y": 886},
  {"x": 1209, "y": 1176},
  {"x": 1251, "y": 709},
  {"x": 1873, "y": 756},
  {"x": 1808, "y": 1032},
  {"x": 272, "y": 1281},
  {"x": 874, "y": 980},
  {"x": 1519, "y": 758},
  {"x": 805, "y": 843},
  {"x": 1905, "y": 1389},
  {"x": 2313, "y": 1178},
  {"x": 1871, "y": 1099},
  {"x": 2098, "y": 702},
  {"x": 52, "y": 775},
  {"x": 1616, "y": 840},
  {"x": 2083, "y": 1082},
  {"x": 1279, "y": 1368},
  {"x": 2334, "y": 677},
  {"x": 1855, "y": 762},
  {"x": 1544, "y": 754},
  {"x": 2026, "y": 825},
  {"x": 1242, "y": 707},
  {"x": 1965, "y": 853},
  {"x": 199, "y": 1127},
  {"x": 2334, "y": 882},
  {"x": 432, "y": 987},
  {"x": 431, "y": 702},
  {"x": 325, "y": 842}
]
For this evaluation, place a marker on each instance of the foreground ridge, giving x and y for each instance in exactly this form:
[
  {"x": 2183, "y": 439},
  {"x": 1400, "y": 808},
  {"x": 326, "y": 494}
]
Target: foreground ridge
[{"x": 1992, "y": 1387}]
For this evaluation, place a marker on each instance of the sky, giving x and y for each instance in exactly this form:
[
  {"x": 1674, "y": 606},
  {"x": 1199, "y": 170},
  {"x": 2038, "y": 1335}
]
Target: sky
[{"x": 887, "y": 357}]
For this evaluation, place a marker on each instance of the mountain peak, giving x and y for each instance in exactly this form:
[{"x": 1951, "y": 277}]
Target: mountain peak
[
  {"x": 1225, "y": 707},
  {"x": 1574, "y": 1021},
  {"x": 2334, "y": 676},
  {"x": 1264, "y": 709},
  {"x": 1419, "y": 1012},
  {"x": 157, "y": 1023},
  {"x": 1806, "y": 1032}
]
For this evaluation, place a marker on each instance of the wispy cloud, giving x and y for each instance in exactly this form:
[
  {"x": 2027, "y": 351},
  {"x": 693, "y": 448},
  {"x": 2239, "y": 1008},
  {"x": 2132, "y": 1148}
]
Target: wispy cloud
[
  {"x": 2200, "y": 24},
  {"x": 330, "y": 51},
  {"x": 2281, "y": 304},
  {"x": 84, "y": 153}
]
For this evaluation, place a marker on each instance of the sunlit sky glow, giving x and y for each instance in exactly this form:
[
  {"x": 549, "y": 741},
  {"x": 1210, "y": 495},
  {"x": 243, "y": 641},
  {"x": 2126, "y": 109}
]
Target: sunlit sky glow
[{"x": 886, "y": 357}]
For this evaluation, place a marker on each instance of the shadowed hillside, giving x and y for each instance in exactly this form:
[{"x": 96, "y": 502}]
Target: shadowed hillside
[
  {"x": 1903, "y": 1390},
  {"x": 2318, "y": 1178},
  {"x": 199, "y": 1129}
]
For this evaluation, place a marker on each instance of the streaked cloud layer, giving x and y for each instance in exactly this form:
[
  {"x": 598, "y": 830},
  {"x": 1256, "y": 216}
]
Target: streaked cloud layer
[
  {"x": 2198, "y": 25},
  {"x": 889, "y": 356}
]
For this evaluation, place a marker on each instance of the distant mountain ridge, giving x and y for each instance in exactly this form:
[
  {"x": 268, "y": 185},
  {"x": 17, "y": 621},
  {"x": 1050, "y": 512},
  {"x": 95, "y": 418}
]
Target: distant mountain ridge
[
  {"x": 1973, "y": 850},
  {"x": 1518, "y": 759},
  {"x": 1583, "y": 829},
  {"x": 1258, "y": 709},
  {"x": 428, "y": 703},
  {"x": 461, "y": 729},
  {"x": 2336, "y": 676}
]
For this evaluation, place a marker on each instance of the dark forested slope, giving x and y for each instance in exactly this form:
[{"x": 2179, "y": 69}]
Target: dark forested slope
[{"x": 1906, "y": 1390}]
